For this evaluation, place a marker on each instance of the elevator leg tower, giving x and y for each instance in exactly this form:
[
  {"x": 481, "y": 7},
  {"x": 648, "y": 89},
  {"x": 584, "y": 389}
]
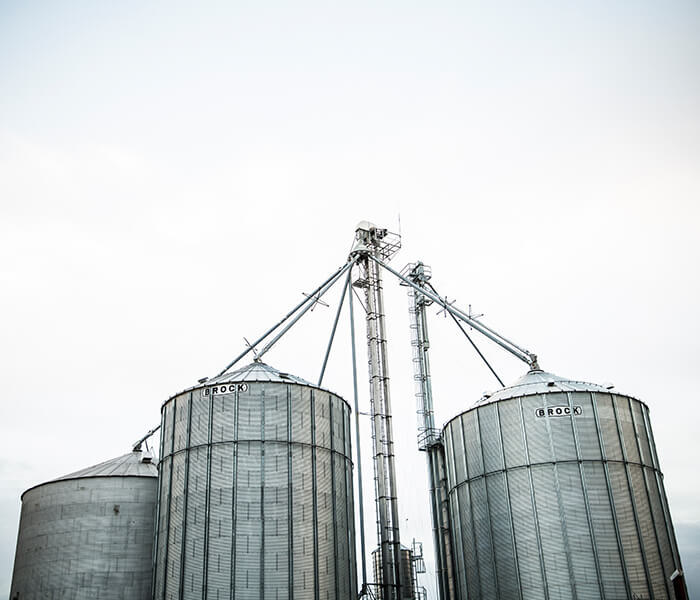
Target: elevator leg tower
[
  {"x": 376, "y": 242},
  {"x": 429, "y": 439}
]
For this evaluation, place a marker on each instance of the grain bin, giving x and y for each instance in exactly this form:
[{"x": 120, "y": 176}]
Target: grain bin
[
  {"x": 556, "y": 492},
  {"x": 89, "y": 534},
  {"x": 408, "y": 574},
  {"x": 255, "y": 487}
]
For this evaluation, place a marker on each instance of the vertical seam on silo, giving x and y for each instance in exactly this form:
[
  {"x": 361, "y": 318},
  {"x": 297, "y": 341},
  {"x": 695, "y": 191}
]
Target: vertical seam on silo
[
  {"x": 335, "y": 524},
  {"x": 183, "y": 548},
  {"x": 508, "y": 503},
  {"x": 532, "y": 499},
  {"x": 437, "y": 514},
  {"x": 156, "y": 524},
  {"x": 611, "y": 498},
  {"x": 314, "y": 490},
  {"x": 560, "y": 503},
  {"x": 436, "y": 521},
  {"x": 494, "y": 563},
  {"x": 234, "y": 491},
  {"x": 262, "y": 492},
  {"x": 658, "y": 477},
  {"x": 584, "y": 489},
  {"x": 346, "y": 537},
  {"x": 646, "y": 491},
  {"x": 667, "y": 514},
  {"x": 170, "y": 501},
  {"x": 631, "y": 493},
  {"x": 447, "y": 531},
  {"x": 458, "y": 517},
  {"x": 349, "y": 503},
  {"x": 290, "y": 498},
  {"x": 475, "y": 545},
  {"x": 207, "y": 502}
]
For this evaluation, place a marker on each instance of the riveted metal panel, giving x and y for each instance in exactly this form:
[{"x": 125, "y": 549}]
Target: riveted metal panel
[
  {"x": 472, "y": 444},
  {"x": 561, "y": 429},
  {"x": 193, "y": 575},
  {"x": 586, "y": 427},
  {"x": 511, "y": 430},
  {"x": 223, "y": 415},
  {"x": 490, "y": 438},
  {"x": 537, "y": 440},
  {"x": 182, "y": 415},
  {"x": 580, "y": 548},
  {"x": 502, "y": 535},
  {"x": 554, "y": 549},
  {"x": 220, "y": 524},
  {"x": 261, "y": 494},
  {"x": 611, "y": 573},
  {"x": 556, "y": 493},
  {"x": 608, "y": 427},
  {"x": 525, "y": 529}
]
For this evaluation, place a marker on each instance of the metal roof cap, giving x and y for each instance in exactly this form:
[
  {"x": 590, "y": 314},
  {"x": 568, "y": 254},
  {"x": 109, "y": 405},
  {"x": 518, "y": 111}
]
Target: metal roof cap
[
  {"x": 257, "y": 371},
  {"x": 134, "y": 464},
  {"x": 537, "y": 381}
]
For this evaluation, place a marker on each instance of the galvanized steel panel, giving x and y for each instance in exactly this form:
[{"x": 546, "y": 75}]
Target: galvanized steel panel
[
  {"x": 88, "y": 536},
  {"x": 261, "y": 492},
  {"x": 555, "y": 492}
]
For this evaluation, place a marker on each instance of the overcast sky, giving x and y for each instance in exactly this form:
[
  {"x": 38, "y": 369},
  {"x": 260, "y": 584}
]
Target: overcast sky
[{"x": 174, "y": 175}]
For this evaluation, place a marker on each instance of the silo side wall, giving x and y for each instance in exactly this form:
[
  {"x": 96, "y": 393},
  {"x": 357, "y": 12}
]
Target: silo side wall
[
  {"x": 558, "y": 495},
  {"x": 85, "y": 539},
  {"x": 256, "y": 495}
]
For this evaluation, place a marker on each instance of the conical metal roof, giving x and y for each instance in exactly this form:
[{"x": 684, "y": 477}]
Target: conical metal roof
[
  {"x": 257, "y": 371},
  {"x": 134, "y": 464},
  {"x": 541, "y": 382},
  {"x": 128, "y": 465}
]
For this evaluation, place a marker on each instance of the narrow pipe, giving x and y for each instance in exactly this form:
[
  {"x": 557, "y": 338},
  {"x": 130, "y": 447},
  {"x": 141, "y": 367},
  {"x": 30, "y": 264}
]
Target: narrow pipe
[
  {"x": 506, "y": 344},
  {"x": 311, "y": 302},
  {"x": 393, "y": 501},
  {"x": 335, "y": 326},
  {"x": 289, "y": 314},
  {"x": 357, "y": 443}
]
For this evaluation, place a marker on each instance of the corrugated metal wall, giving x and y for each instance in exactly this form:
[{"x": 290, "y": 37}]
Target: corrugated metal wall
[
  {"x": 256, "y": 497},
  {"x": 85, "y": 539},
  {"x": 558, "y": 505},
  {"x": 408, "y": 591}
]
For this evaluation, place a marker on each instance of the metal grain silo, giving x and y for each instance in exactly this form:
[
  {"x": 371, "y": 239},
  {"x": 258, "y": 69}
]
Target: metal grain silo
[
  {"x": 89, "y": 534},
  {"x": 409, "y": 587},
  {"x": 256, "y": 497},
  {"x": 555, "y": 492}
]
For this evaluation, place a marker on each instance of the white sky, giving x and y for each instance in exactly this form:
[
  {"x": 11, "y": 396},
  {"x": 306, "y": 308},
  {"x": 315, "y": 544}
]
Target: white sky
[{"x": 173, "y": 176}]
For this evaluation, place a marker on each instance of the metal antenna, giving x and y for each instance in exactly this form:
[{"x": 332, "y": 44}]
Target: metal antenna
[
  {"x": 373, "y": 244},
  {"x": 316, "y": 300},
  {"x": 252, "y": 349},
  {"x": 445, "y": 304},
  {"x": 472, "y": 315}
]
